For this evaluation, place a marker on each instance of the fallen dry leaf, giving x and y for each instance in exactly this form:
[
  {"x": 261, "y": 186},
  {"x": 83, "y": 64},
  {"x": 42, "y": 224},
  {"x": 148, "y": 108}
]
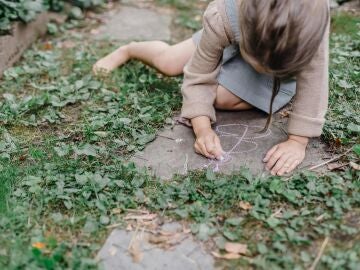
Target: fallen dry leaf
[
  {"x": 334, "y": 166},
  {"x": 38, "y": 245},
  {"x": 355, "y": 166},
  {"x": 227, "y": 256},
  {"x": 337, "y": 142},
  {"x": 320, "y": 218},
  {"x": 166, "y": 233},
  {"x": 245, "y": 205},
  {"x": 91, "y": 15},
  {"x": 22, "y": 157},
  {"x": 135, "y": 252},
  {"x": 277, "y": 214},
  {"x": 158, "y": 239},
  {"x": 129, "y": 227},
  {"x": 95, "y": 31},
  {"x": 116, "y": 211},
  {"x": 68, "y": 44},
  {"x": 177, "y": 239},
  {"x": 141, "y": 217},
  {"x": 236, "y": 248},
  {"x": 48, "y": 46},
  {"x": 166, "y": 241},
  {"x": 284, "y": 114}
]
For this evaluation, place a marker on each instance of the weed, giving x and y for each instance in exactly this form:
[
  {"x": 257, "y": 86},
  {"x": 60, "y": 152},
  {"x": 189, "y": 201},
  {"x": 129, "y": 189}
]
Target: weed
[
  {"x": 65, "y": 141},
  {"x": 189, "y": 12}
]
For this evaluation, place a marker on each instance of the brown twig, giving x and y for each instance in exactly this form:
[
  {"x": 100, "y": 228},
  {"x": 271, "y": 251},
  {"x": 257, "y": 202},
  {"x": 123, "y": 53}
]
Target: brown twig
[
  {"x": 202, "y": 193},
  {"x": 139, "y": 157},
  {"x": 329, "y": 161},
  {"x": 166, "y": 137},
  {"x": 277, "y": 212},
  {"x": 137, "y": 211},
  {"x": 321, "y": 251},
  {"x": 112, "y": 226}
]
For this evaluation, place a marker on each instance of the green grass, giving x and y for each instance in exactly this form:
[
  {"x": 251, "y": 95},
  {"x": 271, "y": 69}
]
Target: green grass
[
  {"x": 27, "y": 11},
  {"x": 7, "y": 176},
  {"x": 58, "y": 124},
  {"x": 343, "y": 121},
  {"x": 343, "y": 23},
  {"x": 188, "y": 12},
  {"x": 66, "y": 137}
]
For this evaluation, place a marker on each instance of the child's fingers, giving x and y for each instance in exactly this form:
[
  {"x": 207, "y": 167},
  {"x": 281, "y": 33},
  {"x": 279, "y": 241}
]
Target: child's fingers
[
  {"x": 286, "y": 166},
  {"x": 270, "y": 153},
  {"x": 293, "y": 166},
  {"x": 198, "y": 149},
  {"x": 273, "y": 159},
  {"x": 279, "y": 164},
  {"x": 201, "y": 149},
  {"x": 219, "y": 151},
  {"x": 210, "y": 147}
]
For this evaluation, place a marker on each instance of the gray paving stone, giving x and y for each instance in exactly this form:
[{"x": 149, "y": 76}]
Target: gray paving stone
[
  {"x": 187, "y": 255},
  {"x": 172, "y": 152},
  {"x": 131, "y": 23}
]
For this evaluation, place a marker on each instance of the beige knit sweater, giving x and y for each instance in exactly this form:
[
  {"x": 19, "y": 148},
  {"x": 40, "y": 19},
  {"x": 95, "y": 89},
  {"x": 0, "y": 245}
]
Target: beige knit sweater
[{"x": 200, "y": 77}]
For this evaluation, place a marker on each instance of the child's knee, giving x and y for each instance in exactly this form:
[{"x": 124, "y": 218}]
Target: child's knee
[
  {"x": 226, "y": 104},
  {"x": 223, "y": 101},
  {"x": 226, "y": 100}
]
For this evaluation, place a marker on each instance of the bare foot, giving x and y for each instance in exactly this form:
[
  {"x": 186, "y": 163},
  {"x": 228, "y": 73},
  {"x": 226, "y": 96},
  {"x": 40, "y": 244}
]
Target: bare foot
[{"x": 112, "y": 60}]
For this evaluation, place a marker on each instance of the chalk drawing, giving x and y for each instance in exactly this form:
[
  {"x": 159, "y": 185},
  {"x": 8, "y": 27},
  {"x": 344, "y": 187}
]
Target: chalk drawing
[{"x": 243, "y": 135}]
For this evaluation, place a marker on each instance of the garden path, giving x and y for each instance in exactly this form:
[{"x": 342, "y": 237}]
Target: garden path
[
  {"x": 137, "y": 249},
  {"x": 172, "y": 153}
]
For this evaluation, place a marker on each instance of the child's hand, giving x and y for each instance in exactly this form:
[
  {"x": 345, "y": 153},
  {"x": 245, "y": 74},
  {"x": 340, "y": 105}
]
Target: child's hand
[
  {"x": 285, "y": 157},
  {"x": 208, "y": 144}
]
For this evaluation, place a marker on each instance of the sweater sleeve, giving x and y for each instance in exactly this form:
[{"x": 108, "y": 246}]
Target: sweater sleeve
[
  {"x": 200, "y": 74},
  {"x": 309, "y": 108}
]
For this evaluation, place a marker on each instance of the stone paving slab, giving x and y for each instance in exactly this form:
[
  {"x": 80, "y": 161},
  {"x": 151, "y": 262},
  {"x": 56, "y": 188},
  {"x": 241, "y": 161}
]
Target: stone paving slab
[
  {"x": 172, "y": 152},
  {"x": 128, "y": 23},
  {"x": 187, "y": 255}
]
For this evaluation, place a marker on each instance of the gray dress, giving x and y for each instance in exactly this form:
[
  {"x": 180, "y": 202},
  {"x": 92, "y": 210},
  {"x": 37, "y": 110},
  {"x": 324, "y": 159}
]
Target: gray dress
[{"x": 242, "y": 79}]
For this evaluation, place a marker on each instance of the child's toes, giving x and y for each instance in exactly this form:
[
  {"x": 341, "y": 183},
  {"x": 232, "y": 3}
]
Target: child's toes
[{"x": 100, "y": 69}]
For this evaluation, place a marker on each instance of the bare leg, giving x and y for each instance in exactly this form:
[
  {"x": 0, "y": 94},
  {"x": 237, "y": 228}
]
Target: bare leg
[
  {"x": 169, "y": 60},
  {"x": 225, "y": 100}
]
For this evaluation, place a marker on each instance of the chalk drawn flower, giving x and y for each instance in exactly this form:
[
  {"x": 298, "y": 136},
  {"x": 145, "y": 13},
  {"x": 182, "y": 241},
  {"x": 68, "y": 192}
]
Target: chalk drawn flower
[{"x": 236, "y": 139}]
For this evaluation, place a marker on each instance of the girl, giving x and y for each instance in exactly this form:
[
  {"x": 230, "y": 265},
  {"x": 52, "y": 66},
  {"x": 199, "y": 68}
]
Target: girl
[{"x": 250, "y": 53}]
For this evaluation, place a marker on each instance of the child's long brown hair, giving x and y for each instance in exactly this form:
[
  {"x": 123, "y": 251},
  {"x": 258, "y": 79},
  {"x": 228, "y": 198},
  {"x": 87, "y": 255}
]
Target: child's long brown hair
[{"x": 282, "y": 35}]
